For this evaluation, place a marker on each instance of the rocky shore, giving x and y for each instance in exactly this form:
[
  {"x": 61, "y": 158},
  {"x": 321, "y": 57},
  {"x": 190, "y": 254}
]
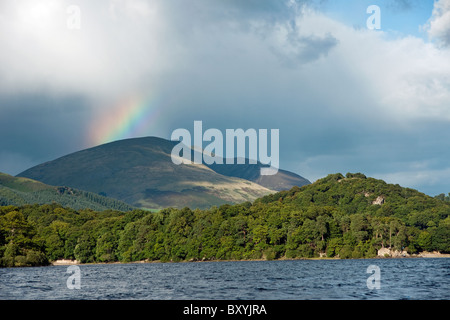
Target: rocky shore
[{"x": 388, "y": 253}]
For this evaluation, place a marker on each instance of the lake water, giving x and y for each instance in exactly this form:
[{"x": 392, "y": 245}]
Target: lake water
[{"x": 423, "y": 279}]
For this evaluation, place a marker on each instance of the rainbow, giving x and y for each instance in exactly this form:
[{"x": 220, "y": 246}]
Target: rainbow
[{"x": 132, "y": 117}]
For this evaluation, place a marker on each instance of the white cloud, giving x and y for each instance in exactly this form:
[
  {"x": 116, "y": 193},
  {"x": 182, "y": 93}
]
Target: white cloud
[
  {"x": 439, "y": 25},
  {"x": 113, "y": 49}
]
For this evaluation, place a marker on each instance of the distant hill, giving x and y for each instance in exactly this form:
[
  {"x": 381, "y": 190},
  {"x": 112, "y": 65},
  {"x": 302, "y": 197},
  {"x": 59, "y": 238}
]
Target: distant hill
[
  {"x": 353, "y": 215},
  {"x": 19, "y": 191},
  {"x": 282, "y": 180},
  {"x": 140, "y": 172},
  {"x": 356, "y": 193}
]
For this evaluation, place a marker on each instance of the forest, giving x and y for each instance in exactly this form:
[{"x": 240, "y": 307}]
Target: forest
[
  {"x": 64, "y": 196},
  {"x": 338, "y": 216}
]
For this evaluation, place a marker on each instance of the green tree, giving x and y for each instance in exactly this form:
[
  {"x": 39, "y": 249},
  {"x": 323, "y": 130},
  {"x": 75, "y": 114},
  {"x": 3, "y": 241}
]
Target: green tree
[
  {"x": 12, "y": 250},
  {"x": 84, "y": 250},
  {"x": 260, "y": 235},
  {"x": 440, "y": 237},
  {"x": 105, "y": 250},
  {"x": 359, "y": 227},
  {"x": 54, "y": 247},
  {"x": 309, "y": 232},
  {"x": 334, "y": 246},
  {"x": 322, "y": 226},
  {"x": 424, "y": 241},
  {"x": 16, "y": 227}
]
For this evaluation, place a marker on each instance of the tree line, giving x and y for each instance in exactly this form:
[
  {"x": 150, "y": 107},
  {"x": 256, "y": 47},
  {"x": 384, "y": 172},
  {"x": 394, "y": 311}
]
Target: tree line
[
  {"x": 337, "y": 216},
  {"x": 443, "y": 197}
]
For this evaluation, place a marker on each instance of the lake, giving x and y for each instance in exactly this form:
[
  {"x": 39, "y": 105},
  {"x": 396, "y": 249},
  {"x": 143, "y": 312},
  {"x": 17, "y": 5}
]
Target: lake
[{"x": 418, "y": 279}]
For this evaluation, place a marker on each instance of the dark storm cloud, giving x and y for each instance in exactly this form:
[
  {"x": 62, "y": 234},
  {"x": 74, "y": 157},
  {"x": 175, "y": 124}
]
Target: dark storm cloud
[
  {"x": 306, "y": 49},
  {"x": 37, "y": 128}
]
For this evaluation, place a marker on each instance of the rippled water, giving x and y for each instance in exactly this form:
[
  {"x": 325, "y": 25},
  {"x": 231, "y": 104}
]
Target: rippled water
[{"x": 248, "y": 280}]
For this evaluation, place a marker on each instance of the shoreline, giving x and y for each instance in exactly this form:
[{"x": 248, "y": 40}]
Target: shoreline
[{"x": 424, "y": 255}]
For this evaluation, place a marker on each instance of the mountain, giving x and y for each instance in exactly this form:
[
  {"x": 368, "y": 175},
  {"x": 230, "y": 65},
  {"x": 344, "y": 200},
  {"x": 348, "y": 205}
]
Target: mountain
[
  {"x": 140, "y": 172},
  {"x": 19, "y": 191}
]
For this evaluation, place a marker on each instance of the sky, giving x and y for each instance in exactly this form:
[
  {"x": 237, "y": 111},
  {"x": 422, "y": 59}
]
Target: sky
[{"x": 345, "y": 97}]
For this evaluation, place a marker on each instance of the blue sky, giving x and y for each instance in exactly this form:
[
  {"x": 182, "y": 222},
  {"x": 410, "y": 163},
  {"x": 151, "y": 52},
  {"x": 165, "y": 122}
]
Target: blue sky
[
  {"x": 400, "y": 18},
  {"x": 345, "y": 98}
]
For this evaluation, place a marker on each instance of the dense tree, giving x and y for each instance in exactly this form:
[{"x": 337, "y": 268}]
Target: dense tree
[{"x": 340, "y": 216}]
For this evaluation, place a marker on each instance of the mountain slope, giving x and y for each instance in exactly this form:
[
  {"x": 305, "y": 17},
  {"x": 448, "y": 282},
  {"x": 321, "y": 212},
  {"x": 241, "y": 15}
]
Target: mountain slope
[
  {"x": 140, "y": 172},
  {"x": 20, "y": 191},
  {"x": 282, "y": 180}
]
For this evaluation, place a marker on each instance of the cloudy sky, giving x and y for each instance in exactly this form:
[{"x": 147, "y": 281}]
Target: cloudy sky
[{"x": 346, "y": 98}]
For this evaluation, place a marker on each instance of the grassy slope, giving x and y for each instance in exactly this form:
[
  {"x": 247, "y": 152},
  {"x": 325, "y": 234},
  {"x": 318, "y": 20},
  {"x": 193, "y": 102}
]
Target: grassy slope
[{"x": 22, "y": 184}]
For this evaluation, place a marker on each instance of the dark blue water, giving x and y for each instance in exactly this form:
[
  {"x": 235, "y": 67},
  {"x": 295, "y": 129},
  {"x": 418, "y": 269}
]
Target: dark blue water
[{"x": 259, "y": 280}]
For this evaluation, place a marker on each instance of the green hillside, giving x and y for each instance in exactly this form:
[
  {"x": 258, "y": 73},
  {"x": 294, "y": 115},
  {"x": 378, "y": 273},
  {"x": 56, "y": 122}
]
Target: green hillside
[
  {"x": 361, "y": 214},
  {"x": 337, "y": 216},
  {"x": 20, "y": 191},
  {"x": 21, "y": 184}
]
